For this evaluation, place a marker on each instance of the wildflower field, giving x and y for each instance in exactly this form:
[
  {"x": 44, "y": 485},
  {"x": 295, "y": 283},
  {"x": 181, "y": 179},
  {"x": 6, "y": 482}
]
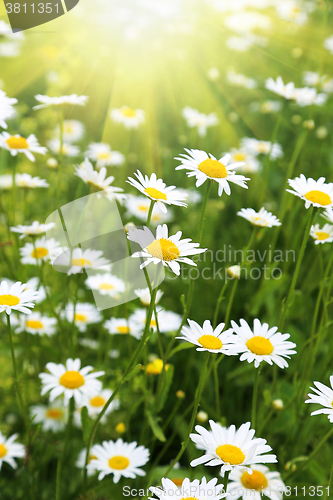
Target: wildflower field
[{"x": 166, "y": 264}]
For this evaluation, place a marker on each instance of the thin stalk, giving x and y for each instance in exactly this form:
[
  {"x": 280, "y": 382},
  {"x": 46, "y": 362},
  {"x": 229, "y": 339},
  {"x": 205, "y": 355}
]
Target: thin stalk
[
  {"x": 217, "y": 390},
  {"x": 286, "y": 304},
  {"x": 219, "y": 300},
  {"x": 194, "y": 413},
  {"x": 64, "y": 453},
  {"x": 330, "y": 484},
  {"x": 150, "y": 212},
  {"x": 311, "y": 456},
  {"x": 268, "y": 159},
  {"x": 60, "y": 156},
  {"x": 17, "y": 384},
  {"x": 134, "y": 358},
  {"x": 198, "y": 240},
  {"x": 225, "y": 480},
  {"x": 255, "y": 398}
]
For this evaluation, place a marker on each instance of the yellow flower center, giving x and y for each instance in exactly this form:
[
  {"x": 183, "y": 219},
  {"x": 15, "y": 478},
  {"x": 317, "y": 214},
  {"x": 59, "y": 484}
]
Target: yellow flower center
[
  {"x": 17, "y": 143},
  {"x": 118, "y": 462},
  {"x": 39, "y": 253},
  {"x": 54, "y": 413},
  {"x": 103, "y": 156},
  {"x": 230, "y": 454},
  {"x": 239, "y": 156},
  {"x": 163, "y": 249},
  {"x": 3, "y": 451},
  {"x": 129, "y": 112},
  {"x": 120, "y": 428},
  {"x": 71, "y": 380},
  {"x": 262, "y": 147},
  {"x": 156, "y": 367},
  {"x": 260, "y": 345},
  {"x": 255, "y": 481},
  {"x": 123, "y": 329},
  {"x": 81, "y": 262},
  {"x": 80, "y": 317},
  {"x": 143, "y": 208},
  {"x": 155, "y": 193},
  {"x": 92, "y": 457},
  {"x": 35, "y": 325},
  {"x": 97, "y": 401},
  {"x": 213, "y": 168},
  {"x": 106, "y": 286},
  {"x": 189, "y": 498},
  {"x": 318, "y": 197},
  {"x": 152, "y": 323},
  {"x": 210, "y": 342},
  {"x": 9, "y": 300},
  {"x": 321, "y": 235}
]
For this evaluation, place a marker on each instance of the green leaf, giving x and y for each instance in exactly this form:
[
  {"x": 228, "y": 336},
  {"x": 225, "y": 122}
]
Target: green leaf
[
  {"x": 85, "y": 421},
  {"x": 180, "y": 347},
  {"x": 157, "y": 431},
  {"x": 132, "y": 373},
  {"x": 166, "y": 388}
]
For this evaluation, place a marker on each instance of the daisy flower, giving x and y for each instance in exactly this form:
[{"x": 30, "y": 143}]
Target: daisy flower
[
  {"x": 155, "y": 367},
  {"x": 73, "y": 100},
  {"x": 255, "y": 147},
  {"x": 138, "y": 206},
  {"x": 81, "y": 459},
  {"x": 33, "y": 230},
  {"x": 33, "y": 284},
  {"x": 6, "y": 108},
  {"x": 261, "y": 218},
  {"x": 262, "y": 343},
  {"x": 294, "y": 11},
  {"x": 53, "y": 417},
  {"x": 328, "y": 214},
  {"x": 6, "y": 181},
  {"x": 208, "y": 339},
  {"x": 169, "y": 250},
  {"x": 316, "y": 193},
  {"x": 278, "y": 87},
  {"x": 261, "y": 481},
  {"x": 67, "y": 148},
  {"x": 123, "y": 327},
  {"x": 328, "y": 44},
  {"x": 199, "y": 490},
  {"x": 16, "y": 298},
  {"x": 250, "y": 161},
  {"x": 129, "y": 117},
  {"x": 322, "y": 235},
  {"x": 204, "y": 166},
  {"x": 10, "y": 450},
  {"x": 43, "y": 250},
  {"x": 196, "y": 119},
  {"x": 85, "y": 314},
  {"x": 36, "y": 323},
  {"x": 17, "y": 144},
  {"x": 307, "y": 96},
  {"x": 96, "y": 403},
  {"x": 241, "y": 80},
  {"x": 72, "y": 131},
  {"x": 27, "y": 181},
  {"x": 98, "y": 180},
  {"x": 145, "y": 297},
  {"x": 231, "y": 448},
  {"x": 323, "y": 396},
  {"x": 156, "y": 190},
  {"x": 103, "y": 156},
  {"x": 79, "y": 260},
  {"x": 138, "y": 319},
  {"x": 71, "y": 381},
  {"x": 267, "y": 107},
  {"x": 120, "y": 459},
  {"x": 106, "y": 284}
]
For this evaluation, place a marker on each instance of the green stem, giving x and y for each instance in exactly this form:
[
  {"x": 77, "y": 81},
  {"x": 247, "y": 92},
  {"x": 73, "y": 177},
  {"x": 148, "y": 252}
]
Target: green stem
[
  {"x": 255, "y": 398},
  {"x": 217, "y": 390},
  {"x": 60, "y": 156},
  {"x": 268, "y": 159},
  {"x": 219, "y": 300},
  {"x": 134, "y": 358},
  {"x": 150, "y": 212},
  {"x": 330, "y": 484},
  {"x": 17, "y": 385},
  {"x": 225, "y": 480},
  {"x": 64, "y": 453},
  {"x": 286, "y": 304},
  {"x": 198, "y": 240},
  {"x": 194, "y": 414},
  {"x": 311, "y": 456}
]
